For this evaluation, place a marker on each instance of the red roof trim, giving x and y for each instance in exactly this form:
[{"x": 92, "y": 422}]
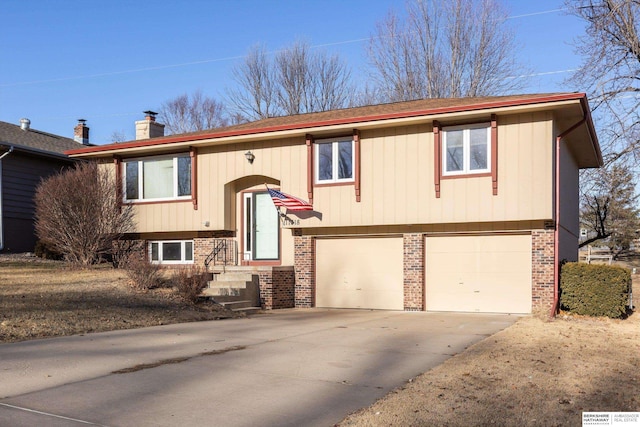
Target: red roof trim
[{"x": 350, "y": 120}]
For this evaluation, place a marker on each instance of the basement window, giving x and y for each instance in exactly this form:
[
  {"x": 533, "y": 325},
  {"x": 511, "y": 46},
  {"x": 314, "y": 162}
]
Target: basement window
[{"x": 171, "y": 252}]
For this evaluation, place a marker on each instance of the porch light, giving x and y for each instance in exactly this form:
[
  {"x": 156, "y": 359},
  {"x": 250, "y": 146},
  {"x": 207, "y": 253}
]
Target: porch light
[{"x": 250, "y": 157}]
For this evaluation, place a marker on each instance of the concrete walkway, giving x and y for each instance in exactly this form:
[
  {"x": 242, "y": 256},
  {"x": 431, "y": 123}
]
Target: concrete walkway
[{"x": 284, "y": 368}]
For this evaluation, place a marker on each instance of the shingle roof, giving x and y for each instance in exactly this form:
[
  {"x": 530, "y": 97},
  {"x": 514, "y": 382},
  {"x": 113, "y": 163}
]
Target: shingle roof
[
  {"x": 35, "y": 140},
  {"x": 421, "y": 107}
]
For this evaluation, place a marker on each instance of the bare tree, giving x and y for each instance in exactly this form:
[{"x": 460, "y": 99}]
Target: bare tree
[
  {"x": 254, "y": 96},
  {"x": 454, "y": 48},
  {"x": 608, "y": 207},
  {"x": 119, "y": 136},
  {"x": 610, "y": 71},
  {"x": 297, "y": 80},
  {"x": 79, "y": 213},
  {"x": 190, "y": 113}
]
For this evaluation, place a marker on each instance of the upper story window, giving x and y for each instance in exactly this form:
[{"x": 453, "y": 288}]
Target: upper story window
[
  {"x": 158, "y": 178},
  {"x": 334, "y": 161},
  {"x": 466, "y": 150}
]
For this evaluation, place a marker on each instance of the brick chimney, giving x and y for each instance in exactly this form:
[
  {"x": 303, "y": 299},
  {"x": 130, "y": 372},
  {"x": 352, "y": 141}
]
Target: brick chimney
[
  {"x": 81, "y": 132},
  {"x": 149, "y": 128}
]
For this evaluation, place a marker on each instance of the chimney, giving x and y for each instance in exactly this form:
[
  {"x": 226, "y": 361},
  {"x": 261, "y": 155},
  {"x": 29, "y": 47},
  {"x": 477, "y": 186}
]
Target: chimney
[
  {"x": 25, "y": 124},
  {"x": 149, "y": 128},
  {"x": 81, "y": 132}
]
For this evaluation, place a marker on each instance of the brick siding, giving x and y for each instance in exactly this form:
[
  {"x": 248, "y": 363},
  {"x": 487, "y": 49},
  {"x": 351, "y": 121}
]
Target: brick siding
[
  {"x": 413, "y": 267},
  {"x": 304, "y": 264},
  {"x": 542, "y": 271}
]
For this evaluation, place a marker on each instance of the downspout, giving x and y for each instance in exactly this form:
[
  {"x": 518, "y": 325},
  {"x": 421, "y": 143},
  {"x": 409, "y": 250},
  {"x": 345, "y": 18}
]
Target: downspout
[
  {"x": 1, "y": 227},
  {"x": 556, "y": 232}
]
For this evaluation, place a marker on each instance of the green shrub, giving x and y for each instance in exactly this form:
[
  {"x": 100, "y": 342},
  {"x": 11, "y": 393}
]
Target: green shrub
[
  {"x": 594, "y": 290},
  {"x": 46, "y": 251},
  {"x": 190, "y": 282}
]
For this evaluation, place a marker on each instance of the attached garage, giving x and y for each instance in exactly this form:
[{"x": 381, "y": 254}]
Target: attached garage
[
  {"x": 485, "y": 273},
  {"x": 360, "y": 273}
]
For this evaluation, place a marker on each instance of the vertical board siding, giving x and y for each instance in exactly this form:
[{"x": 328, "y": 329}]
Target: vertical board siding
[
  {"x": 282, "y": 160},
  {"x": 397, "y": 182},
  {"x": 20, "y": 177}
]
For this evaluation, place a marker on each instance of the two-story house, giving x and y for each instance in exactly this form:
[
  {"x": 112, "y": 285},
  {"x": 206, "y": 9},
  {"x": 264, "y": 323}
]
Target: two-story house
[{"x": 437, "y": 204}]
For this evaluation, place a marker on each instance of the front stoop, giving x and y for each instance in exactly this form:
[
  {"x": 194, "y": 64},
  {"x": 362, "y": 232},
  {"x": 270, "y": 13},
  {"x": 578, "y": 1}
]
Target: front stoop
[{"x": 236, "y": 288}]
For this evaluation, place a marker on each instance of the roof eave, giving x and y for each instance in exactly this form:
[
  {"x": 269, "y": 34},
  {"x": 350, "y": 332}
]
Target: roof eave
[
  {"x": 106, "y": 150},
  {"x": 37, "y": 151}
]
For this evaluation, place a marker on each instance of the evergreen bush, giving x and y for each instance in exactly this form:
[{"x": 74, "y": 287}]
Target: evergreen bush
[{"x": 594, "y": 289}]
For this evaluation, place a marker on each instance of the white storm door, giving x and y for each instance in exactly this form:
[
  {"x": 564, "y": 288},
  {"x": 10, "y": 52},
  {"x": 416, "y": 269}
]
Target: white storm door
[{"x": 266, "y": 228}]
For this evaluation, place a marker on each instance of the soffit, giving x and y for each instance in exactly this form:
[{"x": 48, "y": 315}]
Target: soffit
[{"x": 567, "y": 107}]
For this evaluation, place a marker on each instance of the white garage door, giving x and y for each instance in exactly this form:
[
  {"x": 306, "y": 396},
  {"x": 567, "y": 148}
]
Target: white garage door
[
  {"x": 490, "y": 274},
  {"x": 359, "y": 273}
]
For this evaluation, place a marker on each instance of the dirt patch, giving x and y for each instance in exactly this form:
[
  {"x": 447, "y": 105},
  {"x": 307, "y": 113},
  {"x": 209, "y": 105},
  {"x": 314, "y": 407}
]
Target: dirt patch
[
  {"x": 534, "y": 373},
  {"x": 41, "y": 298}
]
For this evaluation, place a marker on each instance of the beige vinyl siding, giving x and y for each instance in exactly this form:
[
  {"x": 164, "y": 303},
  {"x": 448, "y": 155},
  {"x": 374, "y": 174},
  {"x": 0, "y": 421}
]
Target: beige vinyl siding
[
  {"x": 569, "y": 205},
  {"x": 222, "y": 175},
  {"x": 397, "y": 180}
]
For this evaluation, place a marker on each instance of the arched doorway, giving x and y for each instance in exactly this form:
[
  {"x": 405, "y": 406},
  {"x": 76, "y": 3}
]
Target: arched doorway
[{"x": 259, "y": 221}]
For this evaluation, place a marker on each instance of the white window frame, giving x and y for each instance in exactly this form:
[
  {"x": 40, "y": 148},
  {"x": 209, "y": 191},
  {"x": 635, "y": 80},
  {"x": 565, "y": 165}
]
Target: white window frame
[
  {"x": 183, "y": 252},
  {"x": 140, "y": 161},
  {"x": 335, "y": 151},
  {"x": 466, "y": 150}
]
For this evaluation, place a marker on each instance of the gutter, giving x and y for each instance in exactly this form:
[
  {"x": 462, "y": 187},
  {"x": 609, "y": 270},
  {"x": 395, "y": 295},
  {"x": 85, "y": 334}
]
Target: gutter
[
  {"x": 1, "y": 227},
  {"x": 556, "y": 232},
  {"x": 305, "y": 126}
]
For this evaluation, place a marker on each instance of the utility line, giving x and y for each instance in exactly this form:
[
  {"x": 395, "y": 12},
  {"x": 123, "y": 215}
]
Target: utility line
[{"x": 228, "y": 58}]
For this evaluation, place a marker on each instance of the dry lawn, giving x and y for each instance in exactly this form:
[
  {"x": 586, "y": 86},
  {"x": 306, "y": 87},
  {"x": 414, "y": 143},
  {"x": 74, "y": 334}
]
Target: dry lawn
[
  {"x": 534, "y": 373},
  {"x": 40, "y": 299}
]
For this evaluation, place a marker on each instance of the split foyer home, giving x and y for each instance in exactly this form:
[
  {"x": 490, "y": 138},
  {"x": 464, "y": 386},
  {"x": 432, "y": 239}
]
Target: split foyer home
[
  {"x": 439, "y": 204},
  {"x": 27, "y": 156}
]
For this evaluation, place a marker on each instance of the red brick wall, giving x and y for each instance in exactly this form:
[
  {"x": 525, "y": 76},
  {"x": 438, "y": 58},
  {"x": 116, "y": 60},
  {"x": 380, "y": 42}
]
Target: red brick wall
[
  {"x": 542, "y": 270},
  {"x": 266, "y": 289},
  {"x": 277, "y": 287},
  {"x": 202, "y": 247},
  {"x": 413, "y": 266},
  {"x": 284, "y": 280},
  {"x": 304, "y": 264}
]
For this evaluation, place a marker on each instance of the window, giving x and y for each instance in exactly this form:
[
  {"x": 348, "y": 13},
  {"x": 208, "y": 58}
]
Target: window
[
  {"x": 158, "y": 178},
  {"x": 334, "y": 161},
  {"x": 171, "y": 252},
  {"x": 466, "y": 150}
]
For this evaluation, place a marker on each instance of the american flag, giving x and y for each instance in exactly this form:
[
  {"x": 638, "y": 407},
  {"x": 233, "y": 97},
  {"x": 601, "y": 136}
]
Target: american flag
[{"x": 288, "y": 201}]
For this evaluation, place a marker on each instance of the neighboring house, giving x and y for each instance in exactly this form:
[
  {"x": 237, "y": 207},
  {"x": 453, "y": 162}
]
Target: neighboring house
[
  {"x": 437, "y": 204},
  {"x": 27, "y": 156}
]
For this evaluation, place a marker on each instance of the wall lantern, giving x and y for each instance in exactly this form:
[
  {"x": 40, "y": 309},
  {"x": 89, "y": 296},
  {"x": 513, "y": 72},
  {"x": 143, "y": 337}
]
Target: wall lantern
[{"x": 250, "y": 157}]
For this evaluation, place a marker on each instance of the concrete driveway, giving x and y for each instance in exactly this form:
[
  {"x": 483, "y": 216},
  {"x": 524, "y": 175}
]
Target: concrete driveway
[{"x": 283, "y": 368}]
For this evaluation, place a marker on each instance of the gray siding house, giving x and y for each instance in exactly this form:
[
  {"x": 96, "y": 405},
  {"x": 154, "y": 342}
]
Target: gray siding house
[{"x": 27, "y": 156}]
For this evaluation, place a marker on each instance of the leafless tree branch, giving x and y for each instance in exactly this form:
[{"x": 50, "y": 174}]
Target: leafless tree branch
[
  {"x": 80, "y": 214},
  {"x": 456, "y": 48}
]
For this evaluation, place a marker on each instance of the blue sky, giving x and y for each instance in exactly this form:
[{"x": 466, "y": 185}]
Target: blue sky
[{"x": 108, "y": 61}]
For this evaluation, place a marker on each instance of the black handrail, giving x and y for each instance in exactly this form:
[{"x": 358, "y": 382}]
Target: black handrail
[{"x": 224, "y": 251}]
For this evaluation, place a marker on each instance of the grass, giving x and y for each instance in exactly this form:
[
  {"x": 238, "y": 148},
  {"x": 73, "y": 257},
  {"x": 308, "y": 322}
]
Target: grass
[
  {"x": 535, "y": 373},
  {"x": 40, "y": 299}
]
